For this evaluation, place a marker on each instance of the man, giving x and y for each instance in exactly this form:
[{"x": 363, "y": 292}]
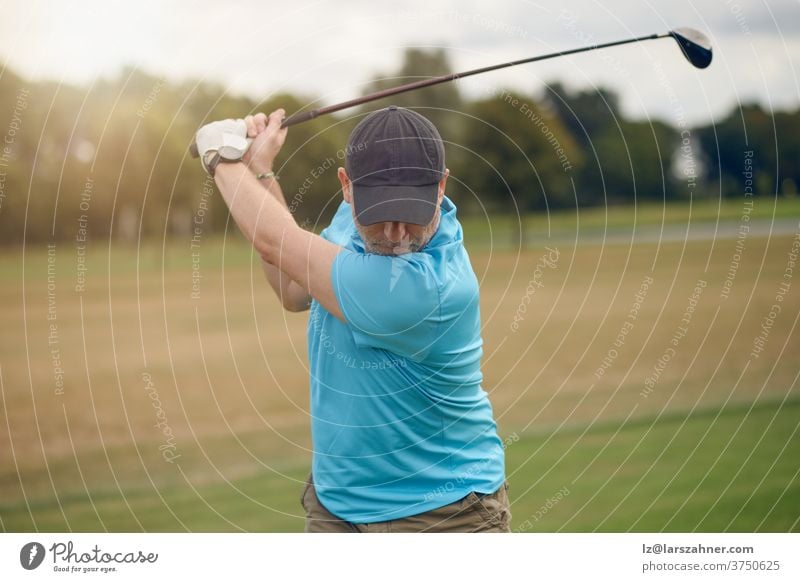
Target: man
[{"x": 403, "y": 433}]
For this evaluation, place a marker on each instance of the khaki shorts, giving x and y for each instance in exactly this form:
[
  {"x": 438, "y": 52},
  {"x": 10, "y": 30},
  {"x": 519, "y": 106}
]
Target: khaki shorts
[{"x": 477, "y": 512}]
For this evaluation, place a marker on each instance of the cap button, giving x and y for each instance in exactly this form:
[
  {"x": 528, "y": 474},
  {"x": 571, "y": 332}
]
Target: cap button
[{"x": 392, "y": 107}]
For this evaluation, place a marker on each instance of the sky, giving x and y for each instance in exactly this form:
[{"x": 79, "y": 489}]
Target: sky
[{"x": 328, "y": 50}]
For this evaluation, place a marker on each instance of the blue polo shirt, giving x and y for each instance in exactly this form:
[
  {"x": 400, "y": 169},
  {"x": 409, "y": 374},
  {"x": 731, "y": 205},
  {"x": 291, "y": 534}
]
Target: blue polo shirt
[{"x": 400, "y": 423}]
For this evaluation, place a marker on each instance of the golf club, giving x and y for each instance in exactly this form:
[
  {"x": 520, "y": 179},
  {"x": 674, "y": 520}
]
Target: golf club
[{"x": 694, "y": 45}]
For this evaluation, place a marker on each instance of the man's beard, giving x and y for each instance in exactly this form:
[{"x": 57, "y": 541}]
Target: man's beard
[
  {"x": 410, "y": 244},
  {"x": 382, "y": 247}
]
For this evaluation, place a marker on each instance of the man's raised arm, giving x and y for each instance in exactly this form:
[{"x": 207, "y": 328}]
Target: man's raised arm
[
  {"x": 303, "y": 258},
  {"x": 293, "y": 297}
]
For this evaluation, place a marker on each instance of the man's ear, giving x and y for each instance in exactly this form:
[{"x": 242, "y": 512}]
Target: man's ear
[
  {"x": 347, "y": 193},
  {"x": 442, "y": 183}
]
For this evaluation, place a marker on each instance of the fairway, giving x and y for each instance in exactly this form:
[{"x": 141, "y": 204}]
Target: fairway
[
  {"x": 170, "y": 392},
  {"x": 610, "y": 477}
]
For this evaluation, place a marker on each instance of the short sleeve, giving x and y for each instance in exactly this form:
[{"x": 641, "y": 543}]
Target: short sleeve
[
  {"x": 341, "y": 226},
  {"x": 390, "y": 303}
]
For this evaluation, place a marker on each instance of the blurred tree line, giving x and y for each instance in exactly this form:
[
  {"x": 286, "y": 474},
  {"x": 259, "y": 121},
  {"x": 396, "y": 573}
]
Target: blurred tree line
[{"x": 112, "y": 157}]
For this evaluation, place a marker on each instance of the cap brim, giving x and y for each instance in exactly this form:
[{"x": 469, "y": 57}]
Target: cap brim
[{"x": 411, "y": 204}]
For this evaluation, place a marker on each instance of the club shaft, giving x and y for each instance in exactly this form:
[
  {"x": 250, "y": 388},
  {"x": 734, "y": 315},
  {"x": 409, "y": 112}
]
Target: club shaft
[
  {"x": 314, "y": 113},
  {"x": 306, "y": 115}
]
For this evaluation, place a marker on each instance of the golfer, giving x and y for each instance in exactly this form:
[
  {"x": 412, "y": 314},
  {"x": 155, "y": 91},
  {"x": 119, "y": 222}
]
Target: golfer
[{"x": 403, "y": 434}]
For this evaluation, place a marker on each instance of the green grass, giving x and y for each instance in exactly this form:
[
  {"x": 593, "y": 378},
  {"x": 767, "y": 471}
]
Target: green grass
[
  {"x": 718, "y": 469},
  {"x": 613, "y": 477},
  {"x": 714, "y": 447},
  {"x": 504, "y": 230},
  {"x": 650, "y": 213}
]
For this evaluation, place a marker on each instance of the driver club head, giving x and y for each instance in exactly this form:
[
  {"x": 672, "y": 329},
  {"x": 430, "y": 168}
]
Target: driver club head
[{"x": 695, "y": 46}]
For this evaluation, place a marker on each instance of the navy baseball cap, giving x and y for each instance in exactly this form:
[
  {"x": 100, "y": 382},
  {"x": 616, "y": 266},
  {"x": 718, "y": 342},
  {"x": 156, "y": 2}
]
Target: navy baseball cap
[{"x": 395, "y": 160}]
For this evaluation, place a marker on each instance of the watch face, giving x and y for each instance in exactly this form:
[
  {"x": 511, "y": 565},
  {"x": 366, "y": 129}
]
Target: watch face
[
  {"x": 233, "y": 148},
  {"x": 229, "y": 154}
]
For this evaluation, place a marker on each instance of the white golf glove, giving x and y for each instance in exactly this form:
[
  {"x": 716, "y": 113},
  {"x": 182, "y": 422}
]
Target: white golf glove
[{"x": 227, "y": 138}]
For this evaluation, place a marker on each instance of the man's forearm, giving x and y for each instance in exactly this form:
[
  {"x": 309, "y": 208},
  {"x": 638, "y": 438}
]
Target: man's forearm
[
  {"x": 260, "y": 216},
  {"x": 303, "y": 256},
  {"x": 256, "y": 212},
  {"x": 285, "y": 288},
  {"x": 292, "y": 295},
  {"x": 273, "y": 187}
]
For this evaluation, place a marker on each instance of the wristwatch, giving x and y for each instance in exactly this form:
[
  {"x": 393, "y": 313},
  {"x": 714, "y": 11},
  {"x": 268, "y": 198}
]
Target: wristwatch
[
  {"x": 225, "y": 154},
  {"x": 210, "y": 161}
]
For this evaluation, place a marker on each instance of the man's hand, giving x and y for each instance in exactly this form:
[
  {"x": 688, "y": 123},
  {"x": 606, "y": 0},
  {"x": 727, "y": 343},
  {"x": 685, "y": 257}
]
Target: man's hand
[
  {"x": 268, "y": 138},
  {"x": 228, "y": 138}
]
